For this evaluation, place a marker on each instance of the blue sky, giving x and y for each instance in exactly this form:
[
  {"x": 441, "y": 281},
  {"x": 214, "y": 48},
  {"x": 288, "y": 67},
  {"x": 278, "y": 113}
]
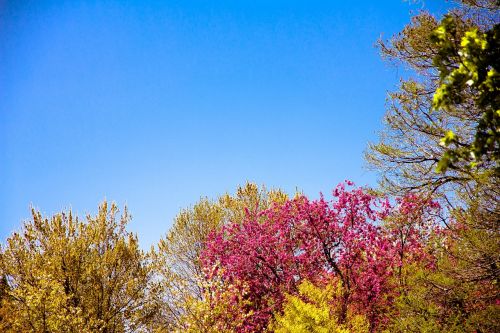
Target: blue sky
[{"x": 154, "y": 104}]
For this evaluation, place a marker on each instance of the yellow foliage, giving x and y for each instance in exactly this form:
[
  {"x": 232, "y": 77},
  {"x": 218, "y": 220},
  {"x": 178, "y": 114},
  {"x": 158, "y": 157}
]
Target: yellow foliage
[
  {"x": 311, "y": 311},
  {"x": 65, "y": 275}
]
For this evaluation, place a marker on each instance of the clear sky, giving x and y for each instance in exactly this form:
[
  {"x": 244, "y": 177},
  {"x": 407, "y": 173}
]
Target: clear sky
[{"x": 154, "y": 104}]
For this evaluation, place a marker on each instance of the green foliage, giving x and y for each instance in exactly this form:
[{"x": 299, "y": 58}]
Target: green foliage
[
  {"x": 469, "y": 65},
  {"x": 456, "y": 129}
]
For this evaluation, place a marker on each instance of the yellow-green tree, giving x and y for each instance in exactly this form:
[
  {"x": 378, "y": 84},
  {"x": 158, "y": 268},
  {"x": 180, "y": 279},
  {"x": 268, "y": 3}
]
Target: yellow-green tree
[
  {"x": 313, "y": 311},
  {"x": 460, "y": 293},
  {"x": 63, "y": 274},
  {"x": 177, "y": 255}
]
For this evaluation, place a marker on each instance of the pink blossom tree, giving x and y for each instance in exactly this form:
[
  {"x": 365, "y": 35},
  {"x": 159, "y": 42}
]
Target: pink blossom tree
[{"x": 342, "y": 241}]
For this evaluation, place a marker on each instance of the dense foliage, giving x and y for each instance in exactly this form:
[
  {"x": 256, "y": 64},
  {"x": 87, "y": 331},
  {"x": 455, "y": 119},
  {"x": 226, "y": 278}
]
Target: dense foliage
[
  {"x": 65, "y": 275},
  {"x": 342, "y": 242}
]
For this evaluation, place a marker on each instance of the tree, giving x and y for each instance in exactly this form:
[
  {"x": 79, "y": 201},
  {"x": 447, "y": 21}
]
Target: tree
[
  {"x": 310, "y": 311},
  {"x": 442, "y": 139},
  {"x": 67, "y": 275},
  {"x": 421, "y": 124},
  {"x": 177, "y": 255},
  {"x": 459, "y": 291},
  {"x": 341, "y": 241}
]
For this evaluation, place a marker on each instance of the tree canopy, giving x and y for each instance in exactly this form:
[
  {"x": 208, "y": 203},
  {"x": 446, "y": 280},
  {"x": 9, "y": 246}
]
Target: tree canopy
[{"x": 62, "y": 274}]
